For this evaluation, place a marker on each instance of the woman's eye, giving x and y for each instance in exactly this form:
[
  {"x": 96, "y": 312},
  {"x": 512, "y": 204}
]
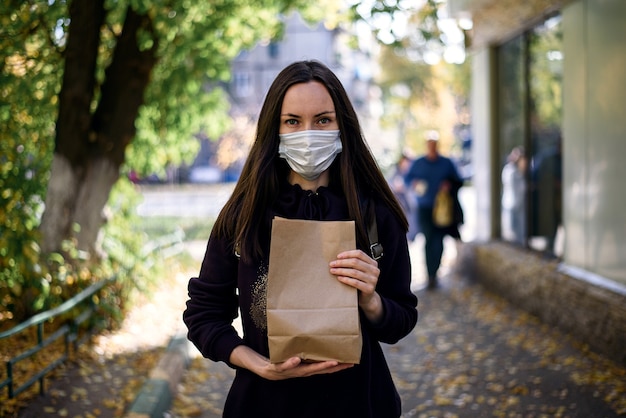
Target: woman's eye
[
  {"x": 324, "y": 121},
  {"x": 291, "y": 122}
]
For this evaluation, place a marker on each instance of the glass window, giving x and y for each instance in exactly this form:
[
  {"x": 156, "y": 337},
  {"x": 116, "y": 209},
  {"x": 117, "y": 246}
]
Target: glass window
[
  {"x": 529, "y": 128},
  {"x": 242, "y": 84},
  {"x": 545, "y": 91},
  {"x": 512, "y": 139},
  {"x": 273, "y": 50}
]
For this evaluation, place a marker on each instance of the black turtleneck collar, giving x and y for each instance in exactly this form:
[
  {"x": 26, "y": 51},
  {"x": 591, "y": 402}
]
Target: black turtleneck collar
[{"x": 326, "y": 204}]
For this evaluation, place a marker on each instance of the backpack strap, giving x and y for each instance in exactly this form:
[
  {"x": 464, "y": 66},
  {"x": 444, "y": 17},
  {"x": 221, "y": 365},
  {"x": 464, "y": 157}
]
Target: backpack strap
[{"x": 376, "y": 248}]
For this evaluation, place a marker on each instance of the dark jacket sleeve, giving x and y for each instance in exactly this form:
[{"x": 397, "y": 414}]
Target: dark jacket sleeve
[
  {"x": 394, "y": 282},
  {"x": 456, "y": 183},
  {"x": 213, "y": 304}
]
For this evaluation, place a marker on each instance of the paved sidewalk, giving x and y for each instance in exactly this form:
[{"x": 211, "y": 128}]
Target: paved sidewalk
[{"x": 471, "y": 354}]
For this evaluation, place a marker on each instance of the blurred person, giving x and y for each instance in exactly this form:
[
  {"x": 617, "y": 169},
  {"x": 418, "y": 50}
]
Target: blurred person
[
  {"x": 514, "y": 196},
  {"x": 428, "y": 175},
  {"x": 546, "y": 174},
  {"x": 404, "y": 194},
  {"x": 309, "y": 161}
]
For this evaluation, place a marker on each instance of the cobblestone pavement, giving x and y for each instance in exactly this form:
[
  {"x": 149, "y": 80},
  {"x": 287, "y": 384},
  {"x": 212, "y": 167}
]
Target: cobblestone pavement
[{"x": 471, "y": 354}]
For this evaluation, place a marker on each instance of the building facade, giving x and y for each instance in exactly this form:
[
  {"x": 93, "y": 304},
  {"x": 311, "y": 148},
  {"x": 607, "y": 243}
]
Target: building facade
[
  {"x": 253, "y": 71},
  {"x": 549, "y": 139}
]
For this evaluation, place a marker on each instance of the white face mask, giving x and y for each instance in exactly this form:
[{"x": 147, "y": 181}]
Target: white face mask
[{"x": 309, "y": 153}]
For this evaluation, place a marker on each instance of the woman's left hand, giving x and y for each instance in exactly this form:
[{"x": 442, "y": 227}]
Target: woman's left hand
[{"x": 357, "y": 269}]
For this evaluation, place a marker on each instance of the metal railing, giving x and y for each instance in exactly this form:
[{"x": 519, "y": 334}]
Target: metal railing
[
  {"x": 167, "y": 246},
  {"x": 69, "y": 331}
]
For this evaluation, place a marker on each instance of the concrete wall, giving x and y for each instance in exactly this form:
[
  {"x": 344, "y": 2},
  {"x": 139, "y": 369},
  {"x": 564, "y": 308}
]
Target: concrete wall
[
  {"x": 483, "y": 102},
  {"x": 594, "y": 131},
  {"x": 496, "y": 21}
]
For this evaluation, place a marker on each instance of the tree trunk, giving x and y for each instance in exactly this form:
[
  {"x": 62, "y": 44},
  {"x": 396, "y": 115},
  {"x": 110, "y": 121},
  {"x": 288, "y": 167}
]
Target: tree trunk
[{"x": 90, "y": 148}]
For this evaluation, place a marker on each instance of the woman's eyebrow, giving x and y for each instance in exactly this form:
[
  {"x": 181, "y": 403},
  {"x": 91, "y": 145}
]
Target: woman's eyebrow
[{"x": 293, "y": 115}]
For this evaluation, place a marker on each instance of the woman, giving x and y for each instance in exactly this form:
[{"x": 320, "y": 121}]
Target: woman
[{"x": 309, "y": 161}]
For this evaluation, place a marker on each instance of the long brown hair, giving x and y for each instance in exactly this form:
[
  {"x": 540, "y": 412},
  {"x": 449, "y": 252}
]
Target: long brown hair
[{"x": 244, "y": 215}]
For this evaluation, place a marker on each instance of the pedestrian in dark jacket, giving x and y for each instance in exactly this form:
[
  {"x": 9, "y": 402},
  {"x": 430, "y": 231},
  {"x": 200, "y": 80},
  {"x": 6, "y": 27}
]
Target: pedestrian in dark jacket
[{"x": 428, "y": 175}]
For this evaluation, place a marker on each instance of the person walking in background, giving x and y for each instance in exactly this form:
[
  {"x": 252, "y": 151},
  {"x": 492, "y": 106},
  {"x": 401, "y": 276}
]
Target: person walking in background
[
  {"x": 404, "y": 194},
  {"x": 428, "y": 175},
  {"x": 308, "y": 161}
]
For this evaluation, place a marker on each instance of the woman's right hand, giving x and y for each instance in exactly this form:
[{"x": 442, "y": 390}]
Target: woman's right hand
[{"x": 247, "y": 358}]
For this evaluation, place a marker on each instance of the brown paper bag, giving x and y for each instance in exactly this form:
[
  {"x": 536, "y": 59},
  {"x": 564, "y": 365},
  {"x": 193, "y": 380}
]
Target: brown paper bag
[{"x": 310, "y": 314}]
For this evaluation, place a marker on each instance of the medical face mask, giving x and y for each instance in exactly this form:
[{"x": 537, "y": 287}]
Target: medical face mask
[{"x": 309, "y": 153}]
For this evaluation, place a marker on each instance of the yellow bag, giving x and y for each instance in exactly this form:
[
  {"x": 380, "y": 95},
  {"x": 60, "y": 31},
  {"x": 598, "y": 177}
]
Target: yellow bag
[{"x": 443, "y": 209}]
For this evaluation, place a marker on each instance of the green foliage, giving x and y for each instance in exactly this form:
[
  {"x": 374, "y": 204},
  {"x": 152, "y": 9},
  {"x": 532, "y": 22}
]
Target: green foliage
[
  {"x": 31, "y": 282},
  {"x": 547, "y": 80},
  {"x": 28, "y": 85},
  {"x": 419, "y": 90},
  {"x": 410, "y": 97},
  {"x": 196, "y": 42},
  {"x": 20, "y": 268},
  {"x": 422, "y": 34}
]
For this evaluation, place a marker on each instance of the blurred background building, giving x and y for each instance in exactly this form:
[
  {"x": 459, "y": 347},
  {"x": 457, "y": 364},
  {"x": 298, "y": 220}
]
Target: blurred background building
[{"x": 252, "y": 74}]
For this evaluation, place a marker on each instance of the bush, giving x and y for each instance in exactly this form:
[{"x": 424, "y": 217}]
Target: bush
[
  {"x": 24, "y": 278},
  {"x": 31, "y": 282}
]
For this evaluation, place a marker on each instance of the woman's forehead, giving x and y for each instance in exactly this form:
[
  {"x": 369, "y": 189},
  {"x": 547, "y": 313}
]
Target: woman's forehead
[{"x": 304, "y": 98}]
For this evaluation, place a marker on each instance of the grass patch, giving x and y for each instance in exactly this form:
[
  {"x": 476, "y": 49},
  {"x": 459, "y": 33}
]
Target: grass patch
[{"x": 194, "y": 228}]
